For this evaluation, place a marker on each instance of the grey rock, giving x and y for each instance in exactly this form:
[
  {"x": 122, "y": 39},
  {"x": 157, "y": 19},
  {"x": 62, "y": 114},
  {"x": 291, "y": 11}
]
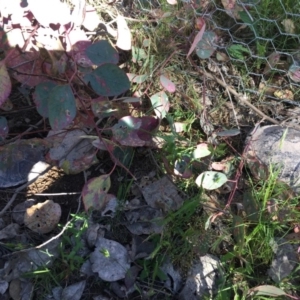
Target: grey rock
[
  {"x": 284, "y": 261},
  {"x": 201, "y": 281},
  {"x": 280, "y": 147}
]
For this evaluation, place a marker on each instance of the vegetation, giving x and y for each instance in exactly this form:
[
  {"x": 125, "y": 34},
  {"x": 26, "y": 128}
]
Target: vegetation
[{"x": 154, "y": 86}]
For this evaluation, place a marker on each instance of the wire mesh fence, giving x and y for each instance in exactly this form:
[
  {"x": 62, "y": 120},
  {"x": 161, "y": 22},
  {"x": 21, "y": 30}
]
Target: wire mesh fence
[
  {"x": 261, "y": 39},
  {"x": 256, "y": 44}
]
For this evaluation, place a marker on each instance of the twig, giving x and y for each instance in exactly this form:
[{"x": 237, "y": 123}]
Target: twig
[
  {"x": 55, "y": 194},
  {"x": 240, "y": 97},
  {"x": 41, "y": 245},
  {"x": 20, "y": 135}
]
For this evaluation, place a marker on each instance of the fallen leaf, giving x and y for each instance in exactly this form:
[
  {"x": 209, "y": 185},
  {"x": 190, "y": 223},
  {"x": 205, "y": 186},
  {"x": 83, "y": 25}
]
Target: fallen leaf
[
  {"x": 197, "y": 39},
  {"x": 289, "y": 26},
  {"x": 110, "y": 260},
  {"x": 167, "y": 84},
  {"x": 124, "y": 34}
]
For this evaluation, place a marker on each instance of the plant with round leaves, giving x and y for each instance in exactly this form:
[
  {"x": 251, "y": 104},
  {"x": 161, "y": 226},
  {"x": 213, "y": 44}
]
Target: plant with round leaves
[{"x": 211, "y": 180}]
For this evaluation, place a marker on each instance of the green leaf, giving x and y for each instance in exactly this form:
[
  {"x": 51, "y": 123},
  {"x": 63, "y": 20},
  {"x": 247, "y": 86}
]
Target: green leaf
[
  {"x": 138, "y": 54},
  {"x": 108, "y": 80},
  {"x": 201, "y": 151},
  {"x": 137, "y": 78},
  {"x": 101, "y": 53},
  {"x": 266, "y": 290},
  {"x": 238, "y": 51},
  {"x": 94, "y": 192},
  {"x": 62, "y": 107},
  {"x": 41, "y": 97},
  {"x": 211, "y": 180},
  {"x": 160, "y": 104},
  {"x": 247, "y": 20},
  {"x": 207, "y": 45}
]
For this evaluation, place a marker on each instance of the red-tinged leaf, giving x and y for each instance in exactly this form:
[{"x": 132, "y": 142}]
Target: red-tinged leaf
[
  {"x": 148, "y": 125},
  {"x": 218, "y": 166},
  {"x": 273, "y": 60},
  {"x": 124, "y": 34},
  {"x": 41, "y": 97},
  {"x": 28, "y": 66},
  {"x": 3, "y": 128},
  {"x": 160, "y": 104},
  {"x": 108, "y": 80},
  {"x": 77, "y": 41},
  {"x": 103, "y": 144},
  {"x": 94, "y": 193},
  {"x": 199, "y": 23},
  {"x": 126, "y": 132},
  {"x": 84, "y": 119},
  {"x": 197, "y": 39},
  {"x": 266, "y": 290},
  {"x": 167, "y": 84},
  {"x": 61, "y": 106},
  {"x": 294, "y": 72},
  {"x": 71, "y": 151},
  {"x": 5, "y": 83}
]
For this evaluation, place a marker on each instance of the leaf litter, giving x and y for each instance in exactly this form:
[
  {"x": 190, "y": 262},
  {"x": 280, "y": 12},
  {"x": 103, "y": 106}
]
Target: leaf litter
[{"x": 72, "y": 149}]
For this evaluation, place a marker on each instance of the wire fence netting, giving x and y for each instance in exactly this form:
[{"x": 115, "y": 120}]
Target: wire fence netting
[{"x": 256, "y": 44}]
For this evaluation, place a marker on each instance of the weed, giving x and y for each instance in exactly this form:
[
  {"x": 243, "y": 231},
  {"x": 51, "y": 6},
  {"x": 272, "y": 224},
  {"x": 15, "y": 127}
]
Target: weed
[
  {"x": 67, "y": 265},
  {"x": 254, "y": 234}
]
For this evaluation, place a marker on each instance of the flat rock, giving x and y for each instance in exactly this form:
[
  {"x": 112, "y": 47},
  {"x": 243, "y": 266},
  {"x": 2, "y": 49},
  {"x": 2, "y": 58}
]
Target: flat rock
[
  {"x": 201, "y": 282},
  {"x": 280, "y": 147}
]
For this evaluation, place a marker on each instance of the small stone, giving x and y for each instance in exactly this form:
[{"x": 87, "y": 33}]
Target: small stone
[{"x": 42, "y": 217}]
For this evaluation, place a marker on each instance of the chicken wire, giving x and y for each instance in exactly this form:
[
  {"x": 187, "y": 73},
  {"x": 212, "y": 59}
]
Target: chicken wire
[
  {"x": 269, "y": 64},
  {"x": 267, "y": 34}
]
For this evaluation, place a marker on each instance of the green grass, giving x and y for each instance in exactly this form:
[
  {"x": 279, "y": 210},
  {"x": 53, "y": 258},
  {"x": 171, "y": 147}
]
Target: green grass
[{"x": 66, "y": 267}]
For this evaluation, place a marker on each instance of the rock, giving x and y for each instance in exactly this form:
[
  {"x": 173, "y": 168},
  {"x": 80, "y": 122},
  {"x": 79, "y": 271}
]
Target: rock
[
  {"x": 278, "y": 146},
  {"x": 201, "y": 282},
  {"x": 284, "y": 262},
  {"x": 42, "y": 217}
]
